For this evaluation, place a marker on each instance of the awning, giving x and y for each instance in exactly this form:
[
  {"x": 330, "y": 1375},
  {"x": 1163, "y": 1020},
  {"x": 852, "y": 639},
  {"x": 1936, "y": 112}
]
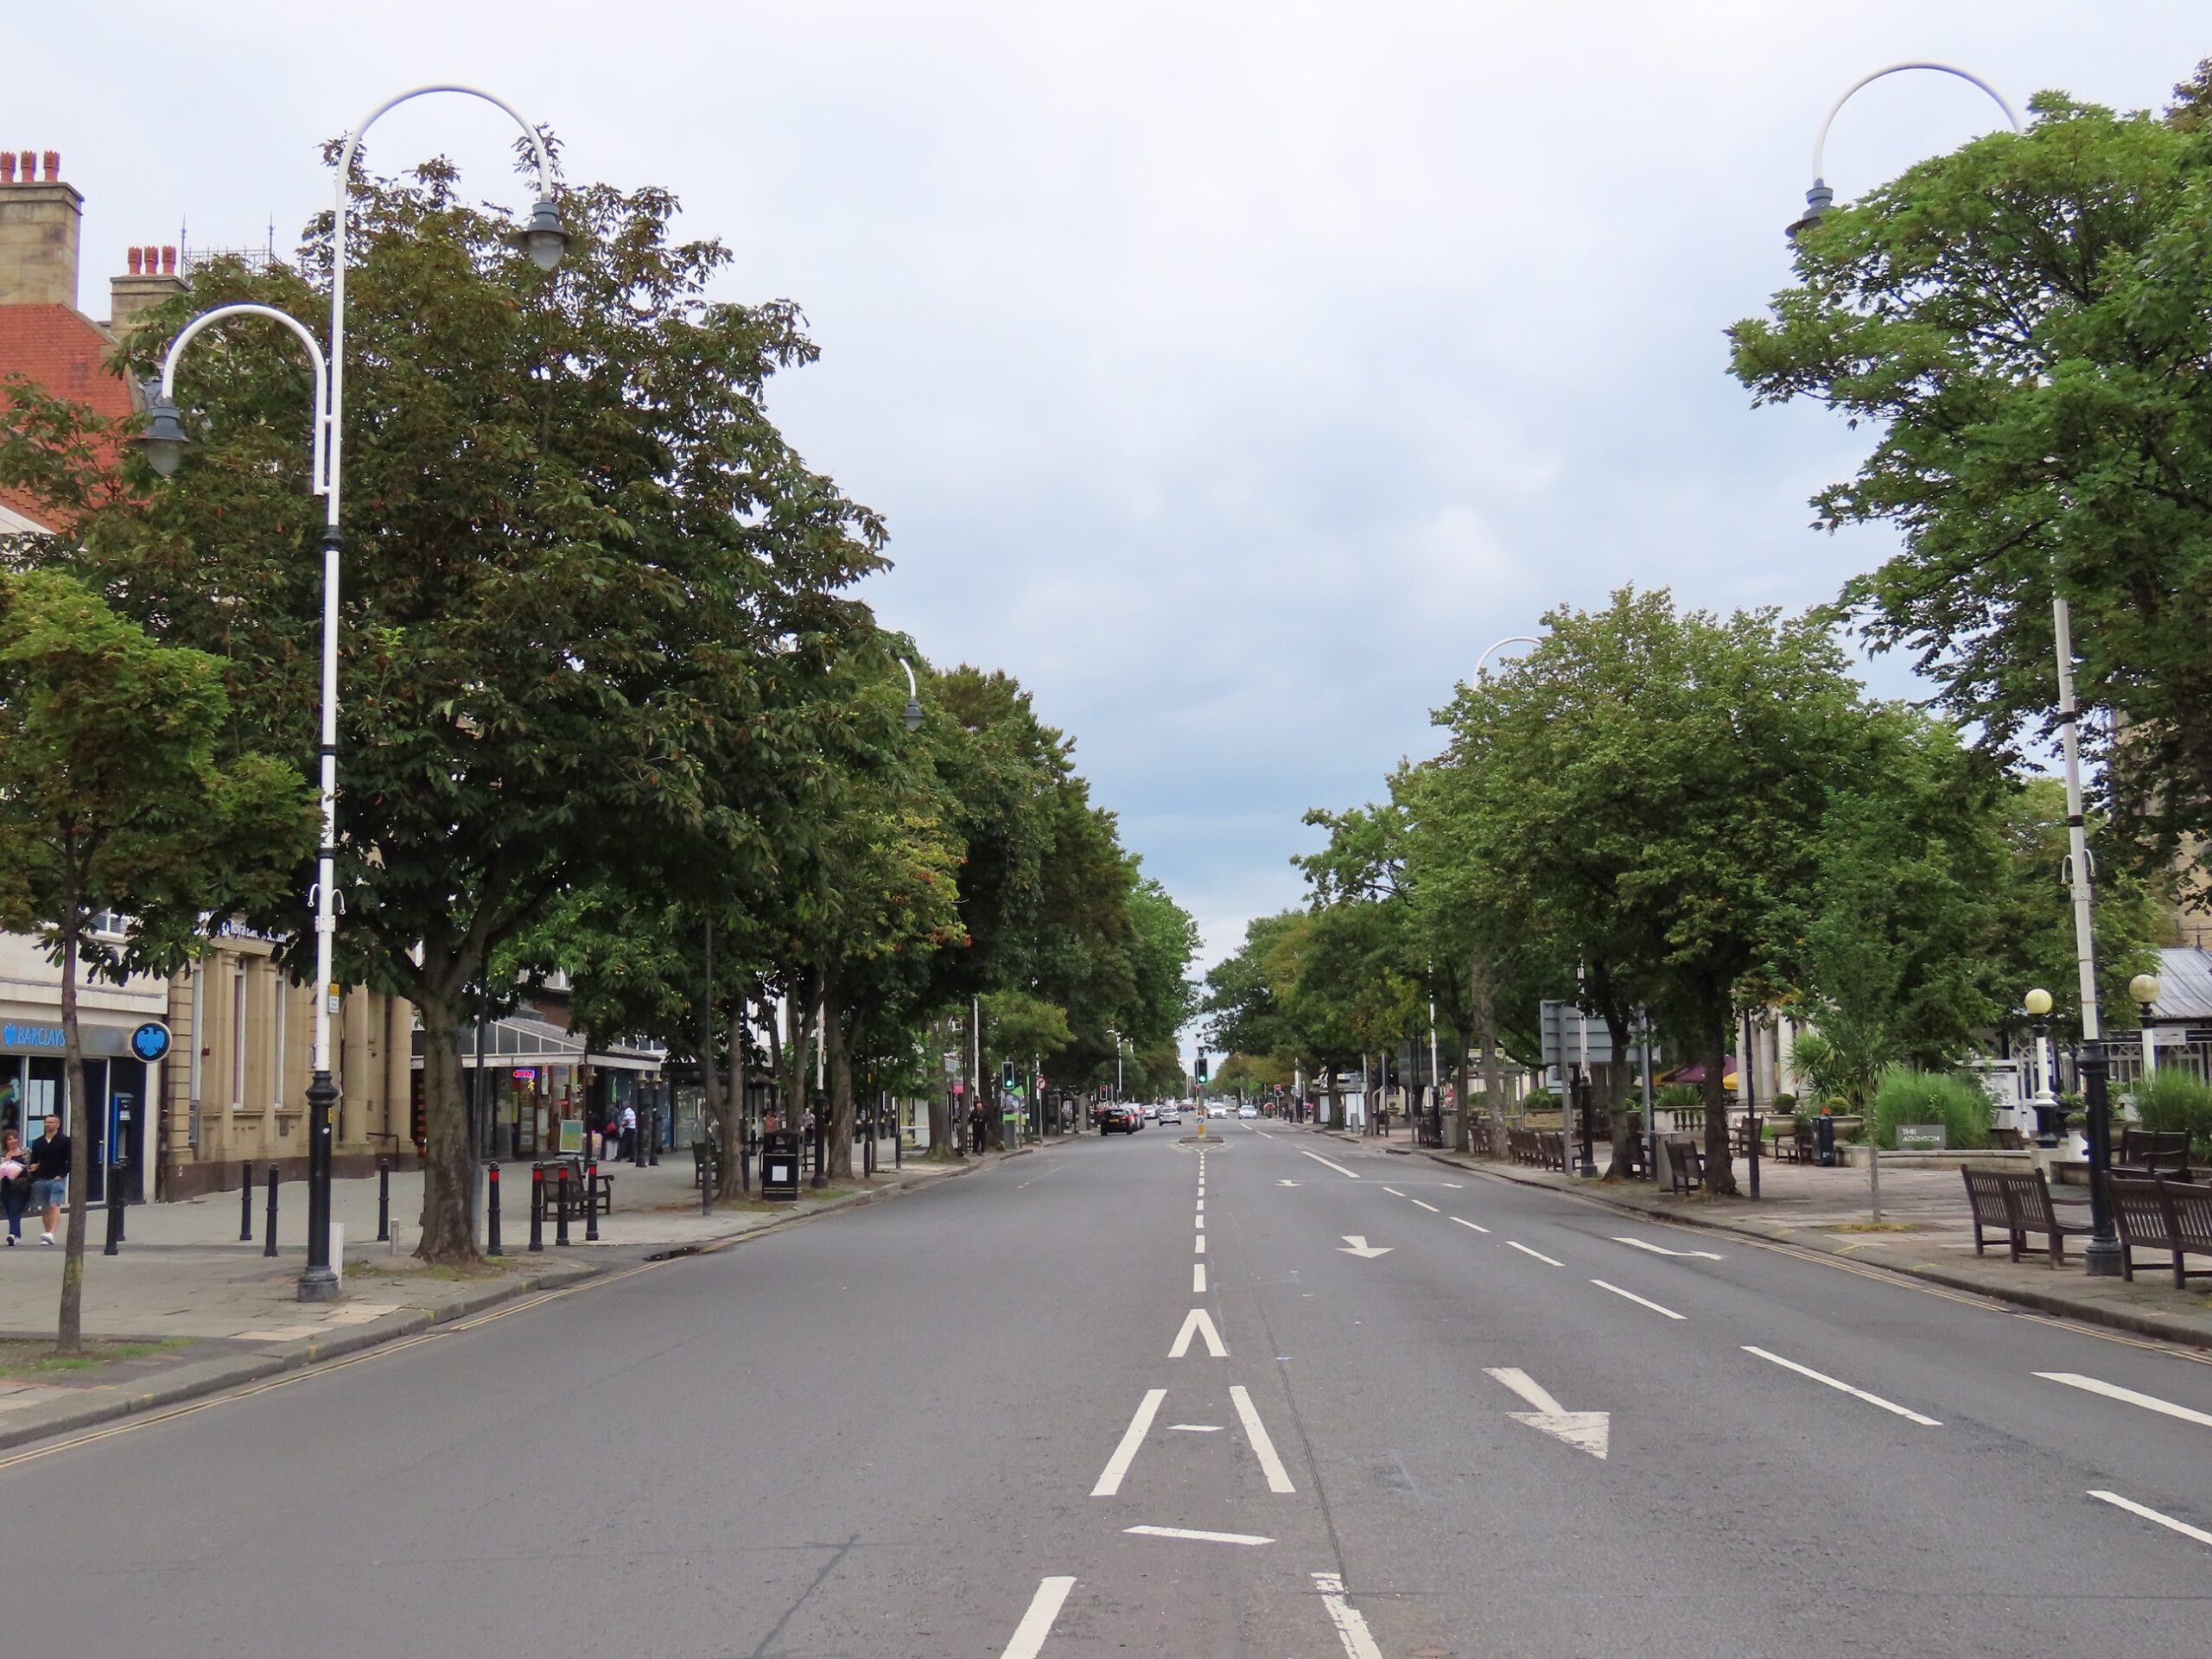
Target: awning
[{"x": 520, "y": 1040}]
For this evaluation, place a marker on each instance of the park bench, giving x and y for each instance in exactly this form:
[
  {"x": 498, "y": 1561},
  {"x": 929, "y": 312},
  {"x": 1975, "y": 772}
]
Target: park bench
[
  {"x": 2161, "y": 1215},
  {"x": 1684, "y": 1164},
  {"x": 1551, "y": 1146},
  {"x": 2151, "y": 1152},
  {"x": 2016, "y": 1205},
  {"x": 574, "y": 1196},
  {"x": 2009, "y": 1140},
  {"x": 1801, "y": 1146}
]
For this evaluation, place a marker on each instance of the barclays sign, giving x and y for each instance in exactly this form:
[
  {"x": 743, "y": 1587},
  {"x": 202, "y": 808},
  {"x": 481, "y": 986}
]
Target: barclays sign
[{"x": 40, "y": 1037}]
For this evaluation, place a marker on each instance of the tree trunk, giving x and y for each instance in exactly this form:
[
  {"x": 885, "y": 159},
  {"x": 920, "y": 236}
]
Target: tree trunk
[
  {"x": 940, "y": 1103},
  {"x": 732, "y": 1107},
  {"x": 1336, "y": 1101},
  {"x": 1617, "y": 1164},
  {"x": 1493, "y": 1071},
  {"x": 840, "y": 1149},
  {"x": 448, "y": 1159},
  {"x": 709, "y": 1094},
  {"x": 1719, "y": 1168},
  {"x": 69, "y": 1333}
]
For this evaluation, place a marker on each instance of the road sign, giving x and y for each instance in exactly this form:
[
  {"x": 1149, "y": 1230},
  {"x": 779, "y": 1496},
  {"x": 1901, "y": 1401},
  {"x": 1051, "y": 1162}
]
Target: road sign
[{"x": 151, "y": 1041}]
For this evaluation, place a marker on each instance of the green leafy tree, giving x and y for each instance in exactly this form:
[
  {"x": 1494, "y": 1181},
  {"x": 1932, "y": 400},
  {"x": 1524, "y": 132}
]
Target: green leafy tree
[
  {"x": 112, "y": 798},
  {"x": 589, "y": 585},
  {"x": 2024, "y": 324}
]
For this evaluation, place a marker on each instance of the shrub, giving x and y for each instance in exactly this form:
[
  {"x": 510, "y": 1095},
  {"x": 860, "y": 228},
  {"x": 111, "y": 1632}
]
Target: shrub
[
  {"x": 1540, "y": 1100},
  {"x": 2174, "y": 1099},
  {"x": 1785, "y": 1105},
  {"x": 1960, "y": 1105},
  {"x": 1677, "y": 1097}
]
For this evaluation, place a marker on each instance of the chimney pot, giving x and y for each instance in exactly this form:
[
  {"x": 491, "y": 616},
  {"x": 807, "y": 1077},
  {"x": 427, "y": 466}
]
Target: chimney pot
[
  {"x": 7, "y": 166},
  {"x": 168, "y": 262},
  {"x": 53, "y": 167},
  {"x": 31, "y": 168},
  {"x": 137, "y": 257}
]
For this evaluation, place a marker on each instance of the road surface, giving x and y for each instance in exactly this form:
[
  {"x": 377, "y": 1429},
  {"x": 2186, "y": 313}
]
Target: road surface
[{"x": 1282, "y": 1397}]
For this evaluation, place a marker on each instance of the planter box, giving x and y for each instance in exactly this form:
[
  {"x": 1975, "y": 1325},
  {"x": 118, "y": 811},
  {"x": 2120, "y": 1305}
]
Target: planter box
[{"x": 1854, "y": 1157}]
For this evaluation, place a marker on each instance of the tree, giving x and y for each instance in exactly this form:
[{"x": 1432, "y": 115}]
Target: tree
[
  {"x": 2025, "y": 324},
  {"x": 589, "y": 585},
  {"x": 111, "y": 798}
]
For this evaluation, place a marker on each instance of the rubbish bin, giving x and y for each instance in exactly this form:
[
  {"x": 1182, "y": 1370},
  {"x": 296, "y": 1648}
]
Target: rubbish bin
[
  {"x": 779, "y": 1164},
  {"x": 1824, "y": 1141}
]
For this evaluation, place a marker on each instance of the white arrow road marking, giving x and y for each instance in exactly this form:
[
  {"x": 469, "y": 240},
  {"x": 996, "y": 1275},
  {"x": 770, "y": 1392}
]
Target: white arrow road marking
[
  {"x": 1846, "y": 1388},
  {"x": 1476, "y": 1225},
  {"x": 1539, "y": 1254},
  {"x": 1200, "y": 1324},
  {"x": 2150, "y": 1514},
  {"x": 1290, "y": 1183},
  {"x": 1356, "y": 1244},
  {"x": 1037, "y": 1624},
  {"x": 1339, "y": 1168},
  {"x": 1351, "y": 1625},
  {"x": 1431, "y": 1208},
  {"x": 1110, "y": 1478},
  {"x": 1197, "y": 1278},
  {"x": 1199, "y": 1537},
  {"x": 1638, "y": 1300},
  {"x": 1586, "y": 1431},
  {"x": 1661, "y": 1249},
  {"x": 1262, "y": 1447},
  {"x": 2113, "y": 1391}
]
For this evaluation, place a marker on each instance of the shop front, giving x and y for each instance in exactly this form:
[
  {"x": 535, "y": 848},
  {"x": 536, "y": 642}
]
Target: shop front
[
  {"x": 532, "y": 1091},
  {"x": 34, "y": 1082}
]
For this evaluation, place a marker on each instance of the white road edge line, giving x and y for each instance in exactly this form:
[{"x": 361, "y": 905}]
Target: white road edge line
[
  {"x": 1201, "y": 1250},
  {"x": 1339, "y": 1168},
  {"x": 1476, "y": 1225},
  {"x": 1539, "y": 1254},
  {"x": 1199, "y": 1537},
  {"x": 1633, "y": 1297},
  {"x": 1856, "y": 1394},
  {"x": 1197, "y": 1278},
  {"x": 1351, "y": 1625},
  {"x": 1037, "y": 1624},
  {"x": 2150, "y": 1514},
  {"x": 1431, "y": 1208},
  {"x": 1394, "y": 1192},
  {"x": 2113, "y": 1391},
  {"x": 1262, "y": 1447},
  {"x": 1110, "y": 1478}
]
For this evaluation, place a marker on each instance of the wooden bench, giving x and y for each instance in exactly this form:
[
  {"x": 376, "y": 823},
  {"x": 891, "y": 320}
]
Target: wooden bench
[
  {"x": 2016, "y": 1205},
  {"x": 576, "y": 1194},
  {"x": 2009, "y": 1140},
  {"x": 2161, "y": 1215},
  {"x": 1685, "y": 1163},
  {"x": 2151, "y": 1152}
]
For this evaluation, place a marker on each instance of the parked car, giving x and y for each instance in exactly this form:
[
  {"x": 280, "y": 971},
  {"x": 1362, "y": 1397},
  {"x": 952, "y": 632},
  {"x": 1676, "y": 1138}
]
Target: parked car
[{"x": 1125, "y": 1120}]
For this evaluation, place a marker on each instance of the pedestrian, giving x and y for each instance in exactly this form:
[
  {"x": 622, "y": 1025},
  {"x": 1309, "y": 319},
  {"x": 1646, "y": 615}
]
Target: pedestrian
[
  {"x": 50, "y": 1174},
  {"x": 629, "y": 1146},
  {"x": 15, "y": 1181}
]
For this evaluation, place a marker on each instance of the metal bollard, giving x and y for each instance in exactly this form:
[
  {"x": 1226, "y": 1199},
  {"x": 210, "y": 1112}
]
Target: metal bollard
[
  {"x": 707, "y": 1184},
  {"x": 245, "y": 1204},
  {"x": 652, "y": 1155},
  {"x": 1757, "y": 1135},
  {"x": 591, "y": 1202},
  {"x": 268, "y": 1244},
  {"x": 492, "y": 1211},
  {"x": 537, "y": 1206},
  {"x": 114, "y": 1245},
  {"x": 561, "y": 1215},
  {"x": 384, "y": 1200}
]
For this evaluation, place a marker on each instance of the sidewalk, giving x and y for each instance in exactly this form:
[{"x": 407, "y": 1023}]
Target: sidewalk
[
  {"x": 1927, "y": 1232},
  {"x": 212, "y": 1312}
]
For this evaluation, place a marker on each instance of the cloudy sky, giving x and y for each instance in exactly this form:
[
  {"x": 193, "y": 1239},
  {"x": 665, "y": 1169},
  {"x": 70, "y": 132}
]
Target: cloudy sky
[{"x": 1232, "y": 373}]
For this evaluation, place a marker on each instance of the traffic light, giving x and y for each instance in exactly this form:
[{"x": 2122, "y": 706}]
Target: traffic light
[
  {"x": 1005, "y": 1075},
  {"x": 1202, "y": 1068}
]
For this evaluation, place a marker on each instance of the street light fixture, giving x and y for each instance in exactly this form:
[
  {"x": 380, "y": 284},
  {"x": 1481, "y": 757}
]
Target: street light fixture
[
  {"x": 913, "y": 698},
  {"x": 2050, "y": 1123},
  {"x": 1492, "y": 650},
  {"x": 2144, "y": 989},
  {"x": 2102, "y": 1256},
  {"x": 163, "y": 443}
]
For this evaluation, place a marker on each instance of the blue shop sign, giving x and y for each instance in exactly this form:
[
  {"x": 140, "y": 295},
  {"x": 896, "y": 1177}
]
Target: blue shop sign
[
  {"x": 35, "y": 1037},
  {"x": 151, "y": 1041}
]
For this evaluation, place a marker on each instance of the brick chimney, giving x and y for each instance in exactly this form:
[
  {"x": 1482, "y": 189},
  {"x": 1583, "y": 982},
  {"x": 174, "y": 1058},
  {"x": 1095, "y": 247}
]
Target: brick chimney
[
  {"x": 151, "y": 278},
  {"x": 38, "y": 222}
]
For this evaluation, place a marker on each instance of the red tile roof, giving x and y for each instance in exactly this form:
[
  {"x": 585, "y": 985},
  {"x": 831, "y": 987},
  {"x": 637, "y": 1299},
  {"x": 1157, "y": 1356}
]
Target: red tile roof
[{"x": 62, "y": 350}]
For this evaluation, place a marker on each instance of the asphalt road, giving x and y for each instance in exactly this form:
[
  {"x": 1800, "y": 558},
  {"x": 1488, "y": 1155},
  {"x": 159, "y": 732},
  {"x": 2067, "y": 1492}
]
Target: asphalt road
[{"x": 1075, "y": 1405}]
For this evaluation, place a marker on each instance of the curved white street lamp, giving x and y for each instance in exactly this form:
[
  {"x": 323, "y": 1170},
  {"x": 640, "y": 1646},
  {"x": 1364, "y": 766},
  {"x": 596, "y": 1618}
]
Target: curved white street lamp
[
  {"x": 1819, "y": 198},
  {"x": 2101, "y": 1254},
  {"x": 1490, "y": 651},
  {"x": 913, "y": 698},
  {"x": 164, "y": 442}
]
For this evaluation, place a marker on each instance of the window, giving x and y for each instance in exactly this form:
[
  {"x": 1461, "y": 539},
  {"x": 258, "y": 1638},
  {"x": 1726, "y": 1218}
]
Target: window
[
  {"x": 238, "y": 1039},
  {"x": 278, "y": 989}
]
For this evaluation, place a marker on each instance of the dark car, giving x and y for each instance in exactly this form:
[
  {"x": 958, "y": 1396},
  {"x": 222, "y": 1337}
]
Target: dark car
[{"x": 1126, "y": 1119}]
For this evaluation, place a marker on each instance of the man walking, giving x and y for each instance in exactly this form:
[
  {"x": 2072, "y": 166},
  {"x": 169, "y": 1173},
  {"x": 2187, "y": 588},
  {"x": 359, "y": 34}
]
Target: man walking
[{"x": 50, "y": 1174}]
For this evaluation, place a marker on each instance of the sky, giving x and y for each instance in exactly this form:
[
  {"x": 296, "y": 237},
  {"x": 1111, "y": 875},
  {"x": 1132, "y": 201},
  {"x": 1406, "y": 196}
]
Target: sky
[{"x": 1231, "y": 373}]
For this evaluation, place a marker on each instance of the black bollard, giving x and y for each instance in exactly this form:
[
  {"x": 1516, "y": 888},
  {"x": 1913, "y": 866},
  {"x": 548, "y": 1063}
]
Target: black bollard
[
  {"x": 1751, "y": 1119},
  {"x": 245, "y": 1204},
  {"x": 114, "y": 1246},
  {"x": 561, "y": 1212},
  {"x": 268, "y": 1244},
  {"x": 492, "y": 1211},
  {"x": 537, "y": 1207},
  {"x": 707, "y": 1183},
  {"x": 591, "y": 1202},
  {"x": 384, "y": 1200},
  {"x": 652, "y": 1155}
]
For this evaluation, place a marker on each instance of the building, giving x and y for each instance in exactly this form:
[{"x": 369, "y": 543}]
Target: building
[{"x": 232, "y": 1090}]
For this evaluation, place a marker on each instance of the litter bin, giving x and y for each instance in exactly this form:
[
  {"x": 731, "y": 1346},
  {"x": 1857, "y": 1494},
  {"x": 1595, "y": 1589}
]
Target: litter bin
[
  {"x": 1824, "y": 1141},
  {"x": 780, "y": 1162}
]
